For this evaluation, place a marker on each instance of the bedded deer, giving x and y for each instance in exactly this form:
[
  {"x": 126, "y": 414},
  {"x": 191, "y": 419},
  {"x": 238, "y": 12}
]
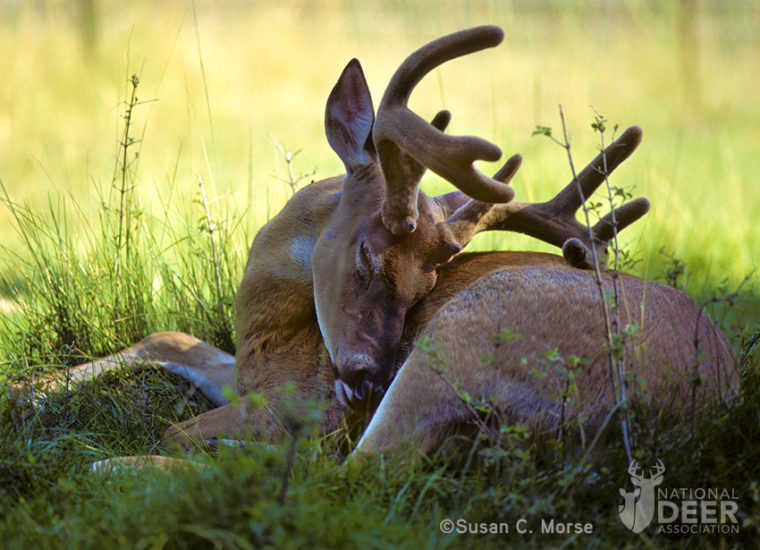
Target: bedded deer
[
  {"x": 509, "y": 339},
  {"x": 338, "y": 283}
]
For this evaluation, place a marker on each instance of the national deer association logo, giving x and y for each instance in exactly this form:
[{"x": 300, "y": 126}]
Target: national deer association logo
[
  {"x": 638, "y": 507},
  {"x": 679, "y": 510}
]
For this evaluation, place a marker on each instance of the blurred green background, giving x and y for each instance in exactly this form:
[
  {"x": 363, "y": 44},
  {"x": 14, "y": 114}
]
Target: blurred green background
[{"x": 221, "y": 81}]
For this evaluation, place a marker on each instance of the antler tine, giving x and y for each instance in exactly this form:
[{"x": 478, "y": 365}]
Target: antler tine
[
  {"x": 625, "y": 215},
  {"x": 509, "y": 169},
  {"x": 441, "y": 120},
  {"x": 593, "y": 175},
  {"x": 554, "y": 221},
  {"x": 397, "y": 128},
  {"x": 472, "y": 217},
  {"x": 407, "y": 167},
  {"x": 578, "y": 254}
]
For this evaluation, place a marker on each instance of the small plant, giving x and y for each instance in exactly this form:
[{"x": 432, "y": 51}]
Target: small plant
[
  {"x": 125, "y": 188},
  {"x": 567, "y": 370},
  {"x": 302, "y": 417},
  {"x": 292, "y": 180},
  {"x": 615, "y": 334},
  {"x": 675, "y": 273},
  {"x": 500, "y": 437}
]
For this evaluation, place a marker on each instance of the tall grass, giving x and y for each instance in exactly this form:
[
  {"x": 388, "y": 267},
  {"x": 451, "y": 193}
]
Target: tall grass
[
  {"x": 686, "y": 72},
  {"x": 134, "y": 274}
]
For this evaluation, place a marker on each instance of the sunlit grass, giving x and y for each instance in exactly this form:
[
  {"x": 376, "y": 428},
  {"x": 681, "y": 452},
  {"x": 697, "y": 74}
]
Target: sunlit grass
[{"x": 269, "y": 67}]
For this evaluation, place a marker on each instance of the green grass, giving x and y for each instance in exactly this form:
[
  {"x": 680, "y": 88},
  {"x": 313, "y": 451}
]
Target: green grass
[
  {"x": 266, "y": 70},
  {"x": 269, "y": 67}
]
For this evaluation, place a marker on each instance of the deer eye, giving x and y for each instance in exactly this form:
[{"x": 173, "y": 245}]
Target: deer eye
[{"x": 364, "y": 262}]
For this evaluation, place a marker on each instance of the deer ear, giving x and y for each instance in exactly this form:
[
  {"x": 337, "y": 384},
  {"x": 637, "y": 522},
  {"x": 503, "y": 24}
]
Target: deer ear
[
  {"x": 442, "y": 253},
  {"x": 349, "y": 118},
  {"x": 446, "y": 248}
]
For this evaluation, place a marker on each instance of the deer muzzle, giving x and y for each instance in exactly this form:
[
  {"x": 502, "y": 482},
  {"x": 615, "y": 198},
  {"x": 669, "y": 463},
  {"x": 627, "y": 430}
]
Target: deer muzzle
[{"x": 358, "y": 381}]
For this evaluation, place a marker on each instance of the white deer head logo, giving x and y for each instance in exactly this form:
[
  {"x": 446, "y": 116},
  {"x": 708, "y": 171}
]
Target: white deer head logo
[{"x": 638, "y": 509}]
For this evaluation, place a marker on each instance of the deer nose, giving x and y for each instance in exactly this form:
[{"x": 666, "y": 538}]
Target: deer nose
[
  {"x": 361, "y": 391},
  {"x": 356, "y": 376}
]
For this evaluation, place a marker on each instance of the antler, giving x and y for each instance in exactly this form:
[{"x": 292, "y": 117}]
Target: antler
[
  {"x": 554, "y": 221},
  {"x": 658, "y": 469},
  {"x": 633, "y": 469},
  {"x": 398, "y": 131}
]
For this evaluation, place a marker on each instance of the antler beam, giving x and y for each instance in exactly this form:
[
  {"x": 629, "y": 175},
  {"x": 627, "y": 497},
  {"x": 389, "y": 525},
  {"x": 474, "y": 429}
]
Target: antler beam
[
  {"x": 399, "y": 129},
  {"x": 554, "y": 221}
]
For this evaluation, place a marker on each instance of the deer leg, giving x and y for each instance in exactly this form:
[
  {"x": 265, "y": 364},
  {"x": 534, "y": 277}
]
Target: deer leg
[
  {"x": 111, "y": 466},
  {"x": 228, "y": 422},
  {"x": 208, "y": 368},
  {"x": 241, "y": 423},
  {"x": 417, "y": 414}
]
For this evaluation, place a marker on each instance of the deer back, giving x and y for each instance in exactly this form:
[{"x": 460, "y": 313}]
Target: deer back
[{"x": 550, "y": 314}]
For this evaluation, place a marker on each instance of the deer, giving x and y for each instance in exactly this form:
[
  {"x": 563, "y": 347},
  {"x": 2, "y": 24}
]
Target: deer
[{"x": 353, "y": 269}]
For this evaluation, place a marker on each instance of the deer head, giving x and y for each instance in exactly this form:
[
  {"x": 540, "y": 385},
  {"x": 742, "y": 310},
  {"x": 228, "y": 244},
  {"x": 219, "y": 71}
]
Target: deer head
[{"x": 377, "y": 255}]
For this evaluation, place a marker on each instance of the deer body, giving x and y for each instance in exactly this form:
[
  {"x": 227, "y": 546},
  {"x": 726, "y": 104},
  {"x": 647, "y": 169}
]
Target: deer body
[{"x": 552, "y": 312}]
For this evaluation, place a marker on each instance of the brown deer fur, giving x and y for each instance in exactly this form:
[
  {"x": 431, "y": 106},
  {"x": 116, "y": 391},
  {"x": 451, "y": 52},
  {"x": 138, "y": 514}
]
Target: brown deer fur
[{"x": 552, "y": 308}]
